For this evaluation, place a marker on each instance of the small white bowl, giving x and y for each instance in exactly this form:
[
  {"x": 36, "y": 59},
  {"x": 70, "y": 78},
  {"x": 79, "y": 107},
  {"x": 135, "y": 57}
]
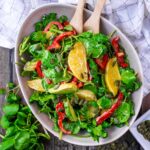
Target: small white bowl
[
  {"x": 139, "y": 137},
  {"x": 106, "y": 27}
]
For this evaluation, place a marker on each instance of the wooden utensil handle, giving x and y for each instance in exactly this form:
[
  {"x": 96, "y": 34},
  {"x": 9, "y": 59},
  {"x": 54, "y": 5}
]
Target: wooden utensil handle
[
  {"x": 93, "y": 23},
  {"x": 77, "y": 19},
  {"x": 98, "y": 9}
]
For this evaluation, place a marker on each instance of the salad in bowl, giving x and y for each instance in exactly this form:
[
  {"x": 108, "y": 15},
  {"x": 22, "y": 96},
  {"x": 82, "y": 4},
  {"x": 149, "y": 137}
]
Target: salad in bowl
[{"x": 83, "y": 82}]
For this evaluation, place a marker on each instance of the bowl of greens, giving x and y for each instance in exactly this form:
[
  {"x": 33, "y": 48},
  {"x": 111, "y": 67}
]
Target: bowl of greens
[{"x": 84, "y": 88}]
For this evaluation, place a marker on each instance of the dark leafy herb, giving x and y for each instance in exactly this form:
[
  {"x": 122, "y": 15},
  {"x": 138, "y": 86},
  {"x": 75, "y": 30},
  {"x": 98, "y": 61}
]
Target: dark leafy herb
[
  {"x": 96, "y": 45},
  {"x": 38, "y": 36},
  {"x": 104, "y": 102},
  {"x": 123, "y": 112},
  {"x": 2, "y": 91},
  {"x": 62, "y": 18},
  {"x": 49, "y": 60},
  {"x": 22, "y": 129},
  {"x": 35, "y": 49}
]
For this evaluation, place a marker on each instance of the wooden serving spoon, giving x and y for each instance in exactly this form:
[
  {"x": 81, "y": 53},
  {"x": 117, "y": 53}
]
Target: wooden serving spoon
[
  {"x": 93, "y": 23},
  {"x": 77, "y": 19}
]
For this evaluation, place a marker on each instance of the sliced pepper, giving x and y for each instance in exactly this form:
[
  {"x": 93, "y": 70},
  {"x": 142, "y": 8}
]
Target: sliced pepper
[
  {"x": 80, "y": 85},
  {"x": 47, "y": 28},
  {"x": 100, "y": 119},
  {"x": 56, "y": 42},
  {"x": 120, "y": 58},
  {"x": 66, "y": 23},
  {"x": 74, "y": 80},
  {"x": 102, "y": 62},
  {"x": 38, "y": 69},
  {"x": 61, "y": 116}
]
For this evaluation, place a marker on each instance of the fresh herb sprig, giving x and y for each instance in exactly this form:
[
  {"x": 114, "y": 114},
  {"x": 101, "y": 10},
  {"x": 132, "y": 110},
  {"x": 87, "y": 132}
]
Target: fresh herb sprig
[{"x": 22, "y": 130}]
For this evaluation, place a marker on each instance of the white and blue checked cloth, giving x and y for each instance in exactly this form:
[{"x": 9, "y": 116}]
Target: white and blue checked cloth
[{"x": 131, "y": 16}]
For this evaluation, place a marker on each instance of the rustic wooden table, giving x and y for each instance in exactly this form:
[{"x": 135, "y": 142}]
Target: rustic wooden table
[{"x": 7, "y": 73}]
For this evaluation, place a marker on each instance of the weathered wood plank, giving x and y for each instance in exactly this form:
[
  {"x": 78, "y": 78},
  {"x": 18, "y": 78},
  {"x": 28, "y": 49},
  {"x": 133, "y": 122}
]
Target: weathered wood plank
[{"x": 4, "y": 73}]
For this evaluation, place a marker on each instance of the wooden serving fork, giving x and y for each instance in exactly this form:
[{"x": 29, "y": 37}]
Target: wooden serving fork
[
  {"x": 77, "y": 19},
  {"x": 93, "y": 23}
]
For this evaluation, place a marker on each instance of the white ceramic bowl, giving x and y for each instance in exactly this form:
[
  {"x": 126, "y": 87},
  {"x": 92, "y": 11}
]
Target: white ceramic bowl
[{"x": 106, "y": 27}]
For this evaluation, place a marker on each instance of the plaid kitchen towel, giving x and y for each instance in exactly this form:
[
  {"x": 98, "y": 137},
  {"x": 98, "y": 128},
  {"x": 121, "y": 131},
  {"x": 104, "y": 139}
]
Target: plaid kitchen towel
[{"x": 131, "y": 16}]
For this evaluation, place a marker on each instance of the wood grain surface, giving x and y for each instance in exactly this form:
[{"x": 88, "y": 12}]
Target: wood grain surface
[{"x": 7, "y": 73}]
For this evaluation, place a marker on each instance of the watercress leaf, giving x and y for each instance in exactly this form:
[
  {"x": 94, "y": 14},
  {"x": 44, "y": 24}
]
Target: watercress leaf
[
  {"x": 22, "y": 140},
  {"x": 2, "y": 91},
  {"x": 104, "y": 102},
  {"x": 11, "y": 85},
  {"x": 48, "y": 18},
  {"x": 21, "y": 122},
  {"x": 38, "y": 26},
  {"x": 35, "y": 49},
  {"x": 49, "y": 60},
  {"x": 68, "y": 28},
  {"x": 43, "y": 97},
  {"x": 89, "y": 110},
  {"x": 53, "y": 74},
  {"x": 7, "y": 144},
  {"x": 101, "y": 91},
  {"x": 94, "y": 72},
  {"x": 85, "y": 35},
  {"x": 67, "y": 45},
  {"x": 123, "y": 112},
  {"x": 38, "y": 36},
  {"x": 137, "y": 85},
  {"x": 10, "y": 131},
  {"x": 4, "y": 122},
  {"x": 10, "y": 109},
  {"x": 128, "y": 76},
  {"x": 106, "y": 124},
  {"x": 74, "y": 127},
  {"x": 24, "y": 45},
  {"x": 99, "y": 131},
  {"x": 45, "y": 85},
  {"x": 12, "y": 98},
  {"x": 92, "y": 88},
  {"x": 96, "y": 44},
  {"x": 62, "y": 19},
  {"x": 83, "y": 125},
  {"x": 100, "y": 38},
  {"x": 99, "y": 51},
  {"x": 55, "y": 126},
  {"x": 132, "y": 111}
]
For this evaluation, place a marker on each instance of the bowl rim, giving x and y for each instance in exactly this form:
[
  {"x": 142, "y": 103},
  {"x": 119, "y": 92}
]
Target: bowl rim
[{"x": 25, "y": 97}]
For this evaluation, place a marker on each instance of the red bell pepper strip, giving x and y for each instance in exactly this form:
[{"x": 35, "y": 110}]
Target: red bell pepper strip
[
  {"x": 48, "y": 81},
  {"x": 55, "y": 44},
  {"x": 120, "y": 58},
  {"x": 74, "y": 80},
  {"x": 59, "y": 107},
  {"x": 38, "y": 69},
  {"x": 61, "y": 116},
  {"x": 80, "y": 84},
  {"x": 60, "y": 26},
  {"x": 66, "y": 23},
  {"x": 102, "y": 62},
  {"x": 109, "y": 112}
]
